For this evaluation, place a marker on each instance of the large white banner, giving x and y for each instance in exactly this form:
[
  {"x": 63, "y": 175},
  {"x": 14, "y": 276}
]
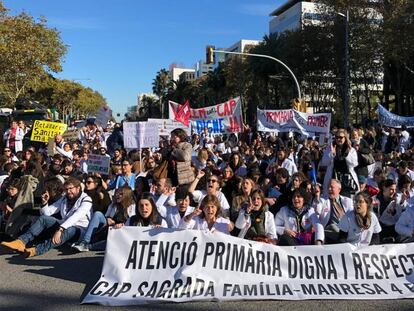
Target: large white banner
[
  {"x": 143, "y": 265},
  {"x": 140, "y": 135},
  {"x": 222, "y": 118},
  {"x": 290, "y": 120}
]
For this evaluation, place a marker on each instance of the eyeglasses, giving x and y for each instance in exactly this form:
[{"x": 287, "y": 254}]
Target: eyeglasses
[
  {"x": 212, "y": 180},
  {"x": 89, "y": 182},
  {"x": 340, "y": 137}
]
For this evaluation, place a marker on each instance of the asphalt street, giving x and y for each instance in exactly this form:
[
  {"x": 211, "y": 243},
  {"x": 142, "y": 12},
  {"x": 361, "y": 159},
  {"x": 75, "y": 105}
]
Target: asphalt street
[{"x": 59, "y": 280}]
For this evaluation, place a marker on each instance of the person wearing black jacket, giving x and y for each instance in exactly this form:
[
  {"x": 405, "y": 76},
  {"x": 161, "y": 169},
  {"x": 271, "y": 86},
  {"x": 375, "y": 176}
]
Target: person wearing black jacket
[{"x": 364, "y": 152}]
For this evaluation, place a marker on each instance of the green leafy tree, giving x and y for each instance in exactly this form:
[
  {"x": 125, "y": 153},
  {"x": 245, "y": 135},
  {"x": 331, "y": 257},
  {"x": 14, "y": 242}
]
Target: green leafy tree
[{"x": 29, "y": 50}]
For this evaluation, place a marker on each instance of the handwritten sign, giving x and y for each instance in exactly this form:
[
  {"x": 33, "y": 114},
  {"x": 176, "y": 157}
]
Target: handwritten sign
[
  {"x": 98, "y": 164},
  {"x": 43, "y": 130},
  {"x": 141, "y": 135}
]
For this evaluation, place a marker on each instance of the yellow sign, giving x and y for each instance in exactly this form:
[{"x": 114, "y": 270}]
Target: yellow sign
[{"x": 43, "y": 130}]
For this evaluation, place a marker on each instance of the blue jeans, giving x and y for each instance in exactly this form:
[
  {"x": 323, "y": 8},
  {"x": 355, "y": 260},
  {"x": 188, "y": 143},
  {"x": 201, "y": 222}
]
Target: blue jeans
[
  {"x": 97, "y": 221},
  {"x": 41, "y": 224}
]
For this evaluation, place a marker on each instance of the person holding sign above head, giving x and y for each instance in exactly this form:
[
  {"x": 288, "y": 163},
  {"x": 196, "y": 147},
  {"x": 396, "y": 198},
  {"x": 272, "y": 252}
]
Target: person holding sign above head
[
  {"x": 146, "y": 214},
  {"x": 207, "y": 217},
  {"x": 255, "y": 221},
  {"x": 297, "y": 223},
  {"x": 360, "y": 226}
]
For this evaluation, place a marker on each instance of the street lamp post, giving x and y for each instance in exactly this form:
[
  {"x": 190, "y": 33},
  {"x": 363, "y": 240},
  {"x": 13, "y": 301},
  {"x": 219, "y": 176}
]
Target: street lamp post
[
  {"x": 346, "y": 69},
  {"x": 269, "y": 57}
]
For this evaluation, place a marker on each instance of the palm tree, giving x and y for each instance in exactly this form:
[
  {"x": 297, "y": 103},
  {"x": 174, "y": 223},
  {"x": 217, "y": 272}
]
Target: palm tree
[{"x": 160, "y": 86}]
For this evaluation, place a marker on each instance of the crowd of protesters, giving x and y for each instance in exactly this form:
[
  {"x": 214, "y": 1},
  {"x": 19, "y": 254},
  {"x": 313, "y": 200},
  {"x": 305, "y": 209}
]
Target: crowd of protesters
[{"x": 355, "y": 186}]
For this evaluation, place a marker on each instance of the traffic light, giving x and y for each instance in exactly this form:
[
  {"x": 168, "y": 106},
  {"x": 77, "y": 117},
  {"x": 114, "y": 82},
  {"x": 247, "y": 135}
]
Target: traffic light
[{"x": 210, "y": 54}]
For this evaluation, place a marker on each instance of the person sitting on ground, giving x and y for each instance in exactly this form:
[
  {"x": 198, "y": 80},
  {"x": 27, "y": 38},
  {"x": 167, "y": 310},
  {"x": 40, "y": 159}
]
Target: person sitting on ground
[
  {"x": 146, "y": 214},
  {"x": 174, "y": 214},
  {"x": 212, "y": 188},
  {"x": 255, "y": 222},
  {"x": 207, "y": 217},
  {"x": 360, "y": 226},
  {"x": 7, "y": 206},
  {"x": 118, "y": 212},
  {"x": 100, "y": 197},
  {"x": 75, "y": 210},
  {"x": 126, "y": 176},
  {"x": 331, "y": 210},
  {"x": 297, "y": 223}
]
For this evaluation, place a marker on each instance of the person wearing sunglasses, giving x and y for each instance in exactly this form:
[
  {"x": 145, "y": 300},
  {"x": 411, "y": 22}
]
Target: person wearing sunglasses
[
  {"x": 340, "y": 160},
  {"x": 212, "y": 188}
]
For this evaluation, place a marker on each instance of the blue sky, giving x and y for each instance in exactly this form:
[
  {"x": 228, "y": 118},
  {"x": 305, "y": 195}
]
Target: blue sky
[{"x": 117, "y": 47}]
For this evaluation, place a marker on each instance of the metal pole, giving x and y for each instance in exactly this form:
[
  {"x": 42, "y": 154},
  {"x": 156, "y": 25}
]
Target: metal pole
[
  {"x": 269, "y": 57},
  {"x": 346, "y": 80}
]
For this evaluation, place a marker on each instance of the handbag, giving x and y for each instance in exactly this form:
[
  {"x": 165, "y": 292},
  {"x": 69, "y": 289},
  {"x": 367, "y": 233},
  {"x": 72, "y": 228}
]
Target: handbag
[{"x": 185, "y": 174}]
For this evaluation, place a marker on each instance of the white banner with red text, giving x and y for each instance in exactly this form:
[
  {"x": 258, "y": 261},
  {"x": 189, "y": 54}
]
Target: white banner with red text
[
  {"x": 224, "y": 118},
  {"x": 290, "y": 120},
  {"x": 152, "y": 265}
]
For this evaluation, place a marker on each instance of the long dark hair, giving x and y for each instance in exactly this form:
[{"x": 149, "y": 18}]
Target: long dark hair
[
  {"x": 154, "y": 218},
  {"x": 364, "y": 222}
]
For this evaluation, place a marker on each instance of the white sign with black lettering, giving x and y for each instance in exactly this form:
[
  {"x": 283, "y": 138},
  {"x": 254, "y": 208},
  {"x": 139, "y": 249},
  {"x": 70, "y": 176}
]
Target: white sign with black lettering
[
  {"x": 141, "y": 135},
  {"x": 143, "y": 264}
]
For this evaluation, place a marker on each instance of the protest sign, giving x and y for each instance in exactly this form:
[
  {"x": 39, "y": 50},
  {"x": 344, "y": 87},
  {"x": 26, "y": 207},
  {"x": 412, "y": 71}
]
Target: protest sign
[
  {"x": 148, "y": 265},
  {"x": 71, "y": 135},
  {"x": 103, "y": 116},
  {"x": 43, "y": 130},
  {"x": 222, "y": 118},
  {"x": 166, "y": 126},
  {"x": 290, "y": 120},
  {"x": 392, "y": 120},
  {"x": 98, "y": 164},
  {"x": 141, "y": 135}
]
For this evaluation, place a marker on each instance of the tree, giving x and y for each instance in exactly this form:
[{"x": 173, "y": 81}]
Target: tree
[
  {"x": 29, "y": 50},
  {"x": 160, "y": 87}
]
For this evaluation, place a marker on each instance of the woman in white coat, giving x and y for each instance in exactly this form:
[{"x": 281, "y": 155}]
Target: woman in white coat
[
  {"x": 207, "y": 217},
  {"x": 340, "y": 159},
  {"x": 255, "y": 221},
  {"x": 14, "y": 137},
  {"x": 360, "y": 226},
  {"x": 297, "y": 223}
]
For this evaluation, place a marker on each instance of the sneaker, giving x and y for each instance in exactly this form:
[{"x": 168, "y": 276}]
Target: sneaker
[
  {"x": 81, "y": 247},
  {"x": 16, "y": 245}
]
